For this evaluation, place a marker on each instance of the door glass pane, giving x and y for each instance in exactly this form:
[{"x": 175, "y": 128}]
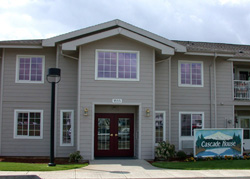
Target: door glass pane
[
  {"x": 103, "y": 133},
  {"x": 123, "y": 133}
]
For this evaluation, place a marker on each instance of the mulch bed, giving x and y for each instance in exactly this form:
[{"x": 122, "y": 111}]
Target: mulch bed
[{"x": 38, "y": 160}]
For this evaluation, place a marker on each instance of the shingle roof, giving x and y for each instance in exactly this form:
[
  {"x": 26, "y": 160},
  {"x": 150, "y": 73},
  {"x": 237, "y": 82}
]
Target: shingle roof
[
  {"x": 21, "y": 42},
  {"x": 238, "y": 50}
]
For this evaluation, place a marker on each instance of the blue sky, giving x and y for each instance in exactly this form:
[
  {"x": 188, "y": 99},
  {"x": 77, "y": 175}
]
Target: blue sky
[{"x": 225, "y": 21}]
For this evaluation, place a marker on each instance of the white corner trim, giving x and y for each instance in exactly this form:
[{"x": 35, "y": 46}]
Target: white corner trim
[
  {"x": 190, "y": 85},
  {"x": 79, "y": 100},
  {"x": 1, "y": 97},
  {"x": 16, "y": 111},
  {"x": 72, "y": 122}
]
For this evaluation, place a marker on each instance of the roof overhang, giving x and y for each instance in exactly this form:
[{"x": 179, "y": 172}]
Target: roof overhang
[
  {"x": 218, "y": 54},
  {"x": 239, "y": 59},
  {"x": 102, "y": 28},
  {"x": 72, "y": 45}
]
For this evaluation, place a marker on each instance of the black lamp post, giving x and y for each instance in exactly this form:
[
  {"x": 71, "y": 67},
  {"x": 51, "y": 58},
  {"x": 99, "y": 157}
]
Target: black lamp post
[{"x": 53, "y": 77}]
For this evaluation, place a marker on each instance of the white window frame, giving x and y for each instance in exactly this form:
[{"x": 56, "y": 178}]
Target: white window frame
[
  {"x": 18, "y": 66},
  {"x": 164, "y": 125},
  {"x": 72, "y": 128},
  {"x": 16, "y": 111},
  {"x": 118, "y": 79},
  {"x": 179, "y": 74}
]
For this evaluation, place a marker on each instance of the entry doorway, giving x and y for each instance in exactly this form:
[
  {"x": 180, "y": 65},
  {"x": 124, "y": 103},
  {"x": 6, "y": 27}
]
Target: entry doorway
[{"x": 114, "y": 135}]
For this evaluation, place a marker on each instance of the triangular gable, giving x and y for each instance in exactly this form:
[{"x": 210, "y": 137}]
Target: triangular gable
[{"x": 107, "y": 26}]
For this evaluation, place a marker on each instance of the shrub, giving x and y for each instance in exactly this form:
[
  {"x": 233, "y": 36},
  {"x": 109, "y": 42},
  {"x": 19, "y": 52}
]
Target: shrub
[
  {"x": 75, "y": 157},
  {"x": 164, "y": 150},
  {"x": 181, "y": 155}
]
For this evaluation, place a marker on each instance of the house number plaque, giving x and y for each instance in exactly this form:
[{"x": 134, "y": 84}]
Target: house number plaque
[{"x": 117, "y": 101}]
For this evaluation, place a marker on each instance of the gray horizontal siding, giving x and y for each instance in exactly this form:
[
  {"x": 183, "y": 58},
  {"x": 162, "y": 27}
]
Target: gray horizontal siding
[
  {"x": 190, "y": 95},
  {"x": 67, "y": 100},
  {"x": 104, "y": 91},
  {"x": 24, "y": 147},
  {"x": 25, "y": 96}
]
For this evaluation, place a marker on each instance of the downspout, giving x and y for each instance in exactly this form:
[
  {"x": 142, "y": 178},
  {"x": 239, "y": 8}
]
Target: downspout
[
  {"x": 215, "y": 95},
  {"x": 169, "y": 99},
  {"x": 1, "y": 102},
  {"x": 210, "y": 85}
]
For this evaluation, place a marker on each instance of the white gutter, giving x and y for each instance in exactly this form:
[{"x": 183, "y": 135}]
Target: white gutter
[
  {"x": 153, "y": 146},
  {"x": 210, "y": 54},
  {"x": 21, "y": 46},
  {"x": 1, "y": 102},
  {"x": 68, "y": 56}
]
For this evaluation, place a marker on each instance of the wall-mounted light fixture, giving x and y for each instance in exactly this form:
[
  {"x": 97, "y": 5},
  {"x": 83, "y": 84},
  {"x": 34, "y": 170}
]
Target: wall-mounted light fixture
[
  {"x": 85, "y": 112},
  {"x": 147, "y": 112}
]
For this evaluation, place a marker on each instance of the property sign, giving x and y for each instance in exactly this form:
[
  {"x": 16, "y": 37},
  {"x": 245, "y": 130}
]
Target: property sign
[{"x": 212, "y": 142}]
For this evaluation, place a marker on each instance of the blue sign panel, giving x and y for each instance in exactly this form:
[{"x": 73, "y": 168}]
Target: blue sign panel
[{"x": 212, "y": 142}]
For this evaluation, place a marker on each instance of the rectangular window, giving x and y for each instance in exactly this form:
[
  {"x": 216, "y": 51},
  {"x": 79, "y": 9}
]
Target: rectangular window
[
  {"x": 190, "y": 121},
  {"x": 190, "y": 74},
  {"x": 30, "y": 69},
  {"x": 67, "y": 128},
  {"x": 160, "y": 126},
  {"x": 117, "y": 65},
  {"x": 28, "y": 124}
]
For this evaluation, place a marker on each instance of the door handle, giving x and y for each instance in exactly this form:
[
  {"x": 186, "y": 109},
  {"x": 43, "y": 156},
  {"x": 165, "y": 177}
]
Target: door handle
[
  {"x": 111, "y": 135},
  {"x": 116, "y": 135}
]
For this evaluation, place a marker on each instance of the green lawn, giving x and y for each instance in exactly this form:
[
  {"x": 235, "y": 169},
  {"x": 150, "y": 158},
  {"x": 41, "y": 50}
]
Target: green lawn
[
  {"x": 205, "y": 165},
  {"x": 11, "y": 166}
]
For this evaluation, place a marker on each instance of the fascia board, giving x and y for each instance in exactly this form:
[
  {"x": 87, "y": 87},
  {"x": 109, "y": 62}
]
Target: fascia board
[
  {"x": 51, "y": 41},
  {"x": 21, "y": 46},
  {"x": 178, "y": 47},
  {"x": 72, "y": 45},
  {"x": 239, "y": 59}
]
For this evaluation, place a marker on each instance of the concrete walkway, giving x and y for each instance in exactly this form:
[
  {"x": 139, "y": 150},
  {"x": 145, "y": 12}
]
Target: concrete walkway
[{"x": 126, "y": 169}]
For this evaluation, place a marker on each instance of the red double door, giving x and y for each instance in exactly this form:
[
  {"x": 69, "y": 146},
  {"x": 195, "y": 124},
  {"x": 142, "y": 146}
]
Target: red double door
[{"x": 114, "y": 135}]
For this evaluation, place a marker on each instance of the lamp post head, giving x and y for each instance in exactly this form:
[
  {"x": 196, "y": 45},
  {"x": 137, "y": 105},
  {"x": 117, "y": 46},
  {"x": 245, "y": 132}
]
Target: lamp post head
[{"x": 54, "y": 73}]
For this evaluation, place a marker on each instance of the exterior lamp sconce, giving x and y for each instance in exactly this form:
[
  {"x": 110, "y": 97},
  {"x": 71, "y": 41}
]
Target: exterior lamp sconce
[
  {"x": 147, "y": 113},
  {"x": 85, "y": 112},
  {"x": 53, "y": 77}
]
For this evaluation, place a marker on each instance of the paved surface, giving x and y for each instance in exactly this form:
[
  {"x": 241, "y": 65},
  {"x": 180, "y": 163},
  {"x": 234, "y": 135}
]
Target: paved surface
[{"x": 126, "y": 169}]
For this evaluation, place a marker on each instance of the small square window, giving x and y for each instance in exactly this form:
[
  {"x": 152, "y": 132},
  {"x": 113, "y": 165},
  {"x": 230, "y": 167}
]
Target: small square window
[
  {"x": 190, "y": 74},
  {"x": 28, "y": 124}
]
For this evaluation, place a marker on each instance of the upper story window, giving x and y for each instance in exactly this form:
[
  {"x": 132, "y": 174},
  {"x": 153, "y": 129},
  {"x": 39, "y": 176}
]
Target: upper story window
[
  {"x": 190, "y": 73},
  {"x": 190, "y": 121},
  {"x": 28, "y": 124},
  {"x": 30, "y": 69},
  {"x": 117, "y": 65}
]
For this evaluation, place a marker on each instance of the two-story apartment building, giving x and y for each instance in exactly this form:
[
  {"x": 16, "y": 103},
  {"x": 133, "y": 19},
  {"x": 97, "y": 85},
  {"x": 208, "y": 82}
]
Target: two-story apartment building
[{"x": 122, "y": 90}]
